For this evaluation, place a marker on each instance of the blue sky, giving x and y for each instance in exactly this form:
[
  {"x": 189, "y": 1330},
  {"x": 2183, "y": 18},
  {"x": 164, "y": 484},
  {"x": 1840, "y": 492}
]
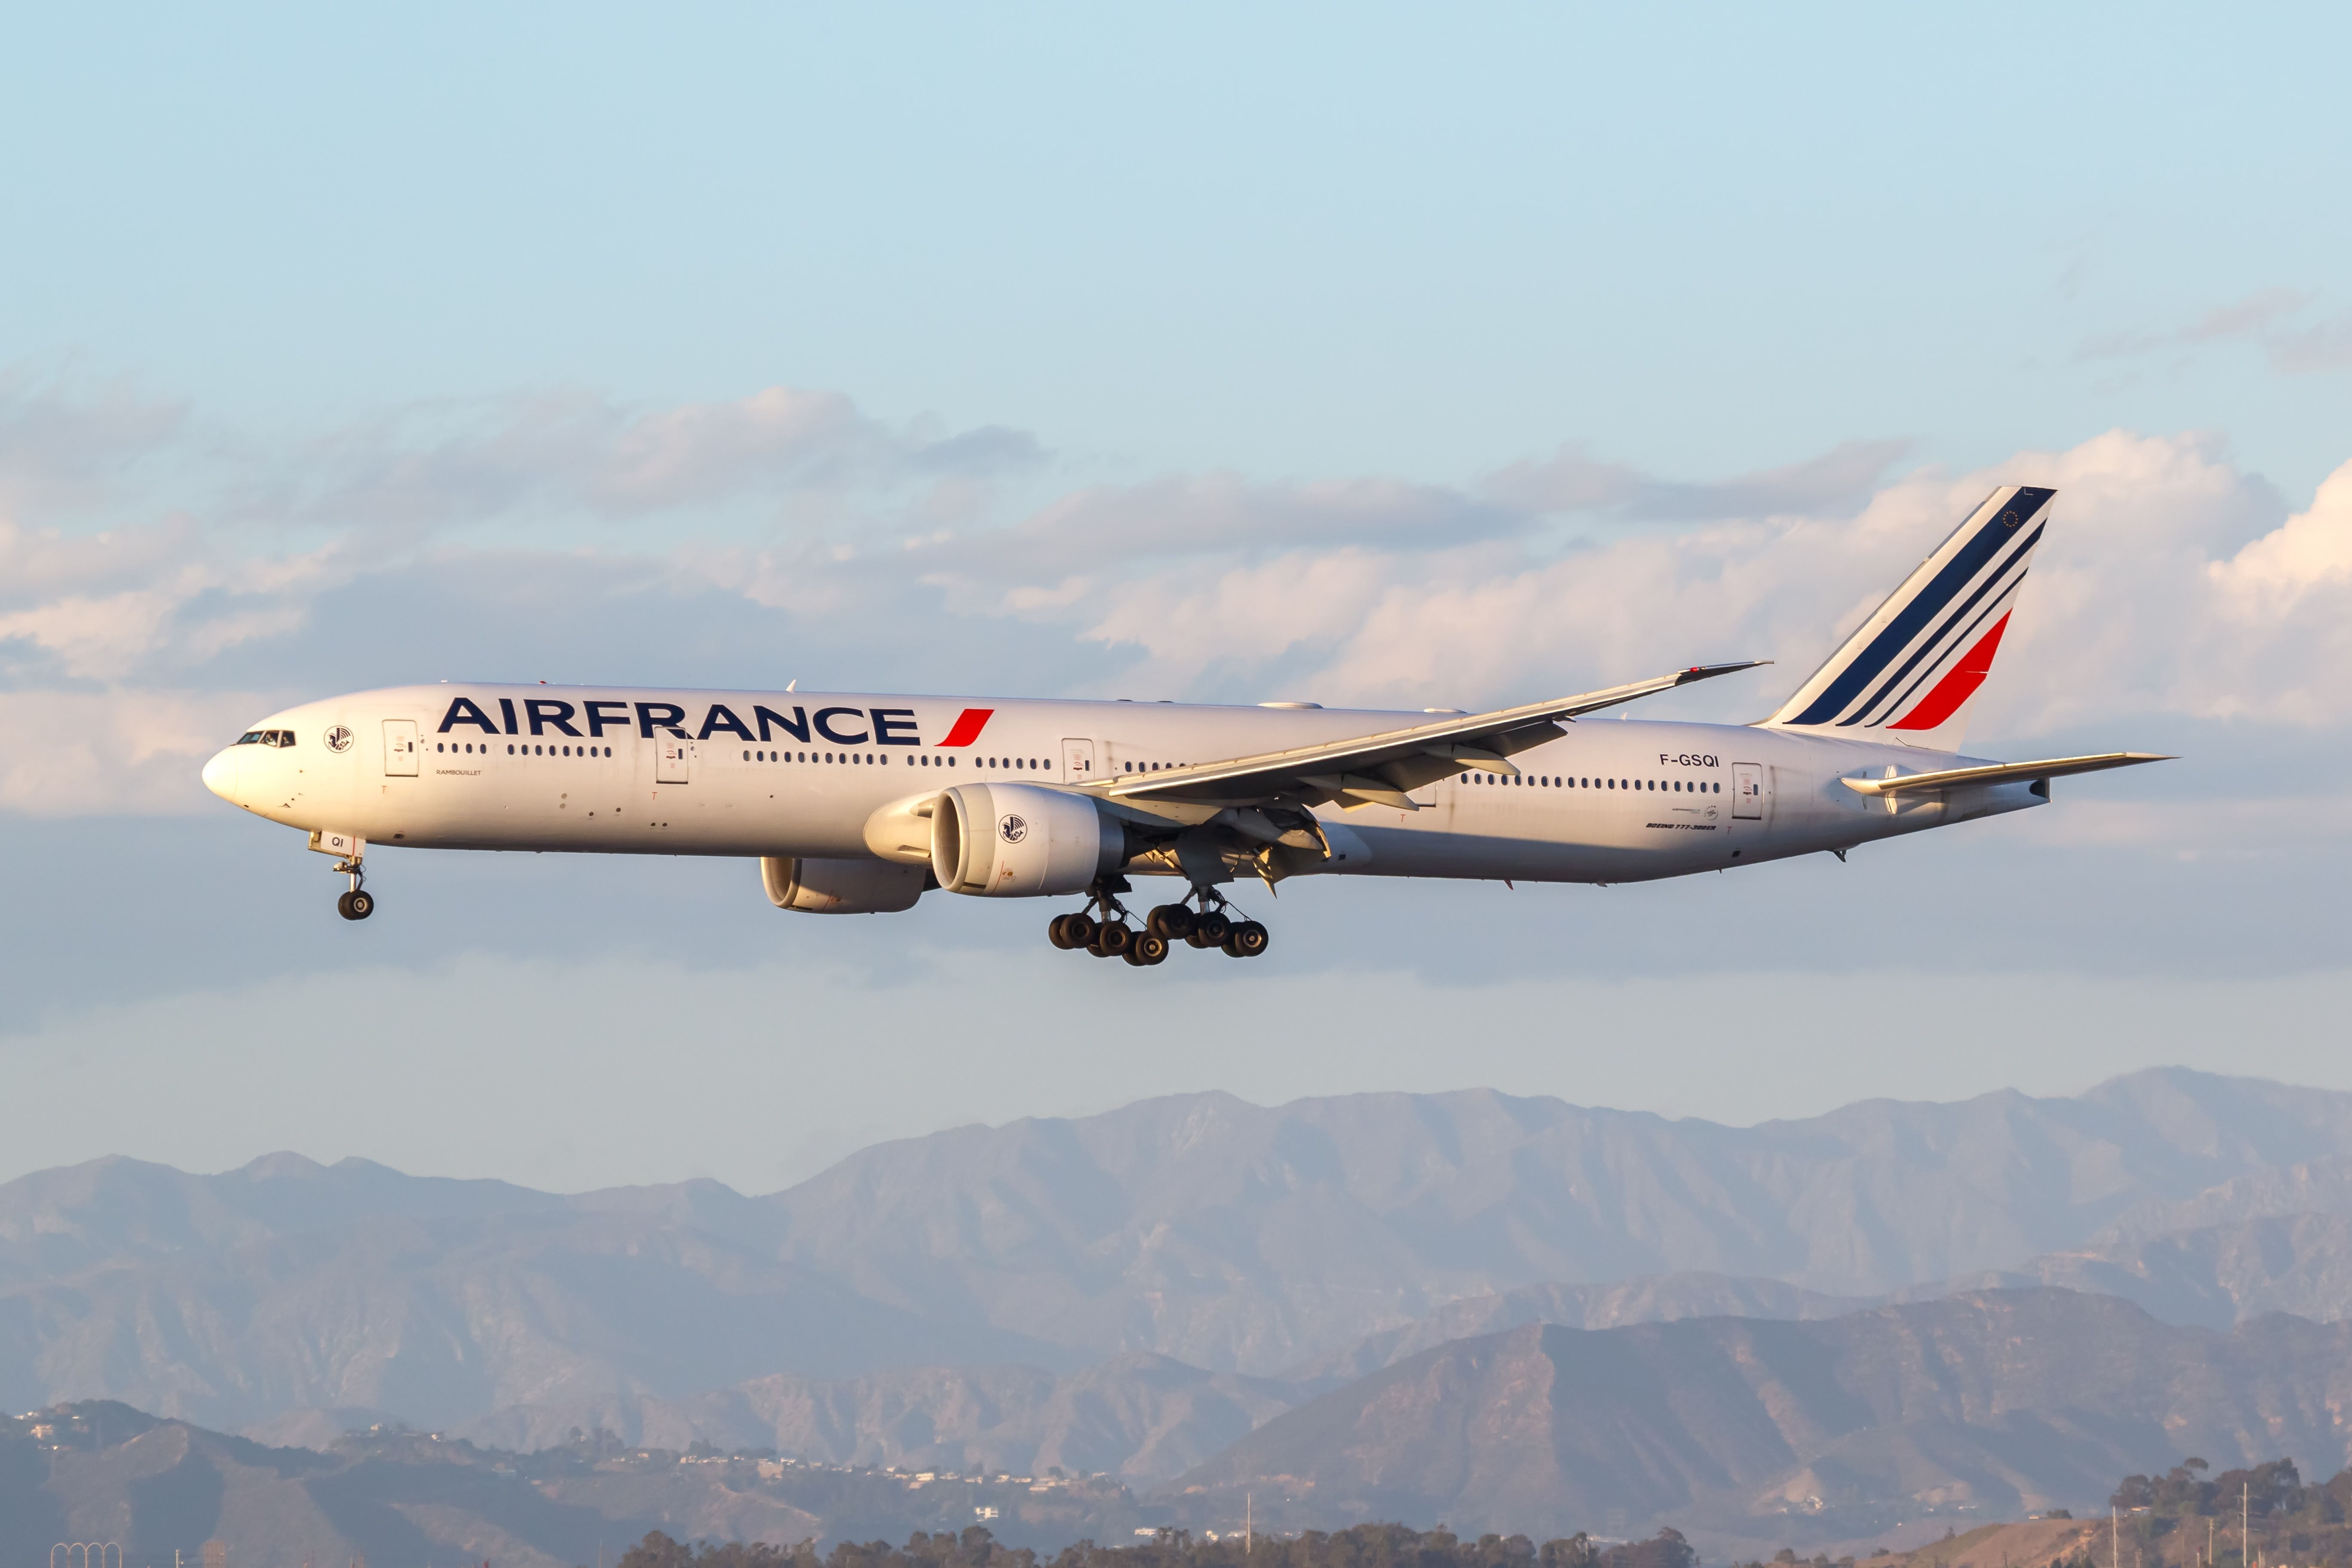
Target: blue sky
[{"x": 1360, "y": 354}]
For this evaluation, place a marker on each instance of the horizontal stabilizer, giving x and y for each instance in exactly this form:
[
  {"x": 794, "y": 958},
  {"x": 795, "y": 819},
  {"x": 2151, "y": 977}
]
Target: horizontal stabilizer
[{"x": 2001, "y": 773}]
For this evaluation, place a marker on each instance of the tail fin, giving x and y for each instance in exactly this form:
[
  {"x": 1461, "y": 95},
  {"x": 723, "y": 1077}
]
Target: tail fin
[{"x": 1913, "y": 667}]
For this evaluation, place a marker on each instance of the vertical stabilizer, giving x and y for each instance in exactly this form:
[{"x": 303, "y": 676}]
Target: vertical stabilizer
[{"x": 1912, "y": 668}]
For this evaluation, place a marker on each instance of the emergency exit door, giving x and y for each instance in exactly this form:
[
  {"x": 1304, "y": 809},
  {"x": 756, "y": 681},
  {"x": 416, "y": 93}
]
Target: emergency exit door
[
  {"x": 1078, "y": 761},
  {"x": 1748, "y": 790},
  {"x": 673, "y": 761},
  {"x": 399, "y": 747}
]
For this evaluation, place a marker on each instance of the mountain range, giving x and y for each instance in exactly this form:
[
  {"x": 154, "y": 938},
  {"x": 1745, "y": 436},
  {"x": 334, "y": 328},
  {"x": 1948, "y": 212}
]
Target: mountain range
[
  {"x": 1152, "y": 1291},
  {"x": 1971, "y": 1406}
]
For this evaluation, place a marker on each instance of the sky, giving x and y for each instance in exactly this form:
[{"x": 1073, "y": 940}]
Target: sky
[{"x": 1356, "y": 354}]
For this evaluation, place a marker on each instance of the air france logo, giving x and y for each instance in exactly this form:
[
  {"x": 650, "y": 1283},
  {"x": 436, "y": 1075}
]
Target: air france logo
[
  {"x": 338, "y": 739},
  {"x": 1013, "y": 829}
]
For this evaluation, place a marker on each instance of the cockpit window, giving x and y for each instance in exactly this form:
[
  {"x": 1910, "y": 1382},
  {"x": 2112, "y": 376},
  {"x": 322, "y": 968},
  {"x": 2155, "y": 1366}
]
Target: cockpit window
[{"x": 266, "y": 738}]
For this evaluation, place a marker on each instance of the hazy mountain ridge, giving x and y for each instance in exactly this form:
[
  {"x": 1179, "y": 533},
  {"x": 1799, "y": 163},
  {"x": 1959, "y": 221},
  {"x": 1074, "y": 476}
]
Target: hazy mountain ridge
[
  {"x": 1140, "y": 1417},
  {"x": 102, "y": 1471},
  {"x": 1660, "y": 1297},
  {"x": 1996, "y": 1400},
  {"x": 1232, "y": 1237},
  {"x": 441, "y": 1321},
  {"x": 2215, "y": 1276},
  {"x": 1196, "y": 1227}
]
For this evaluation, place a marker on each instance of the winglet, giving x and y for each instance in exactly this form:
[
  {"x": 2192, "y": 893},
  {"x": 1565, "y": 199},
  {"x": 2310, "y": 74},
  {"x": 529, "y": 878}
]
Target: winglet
[{"x": 1709, "y": 671}]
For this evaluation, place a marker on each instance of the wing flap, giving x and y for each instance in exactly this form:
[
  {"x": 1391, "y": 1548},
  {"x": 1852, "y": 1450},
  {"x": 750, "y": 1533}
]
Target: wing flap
[{"x": 2001, "y": 773}]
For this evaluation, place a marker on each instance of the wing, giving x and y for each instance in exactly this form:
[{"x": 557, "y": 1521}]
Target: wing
[
  {"x": 1380, "y": 770},
  {"x": 2001, "y": 773}
]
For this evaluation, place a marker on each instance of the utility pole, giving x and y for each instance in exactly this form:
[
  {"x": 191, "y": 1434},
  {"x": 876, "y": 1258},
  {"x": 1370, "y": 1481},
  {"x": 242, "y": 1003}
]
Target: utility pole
[
  {"x": 2245, "y": 1548},
  {"x": 2115, "y": 1536},
  {"x": 1249, "y": 1522}
]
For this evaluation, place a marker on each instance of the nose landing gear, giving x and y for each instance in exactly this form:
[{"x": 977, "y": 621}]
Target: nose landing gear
[
  {"x": 1102, "y": 929},
  {"x": 358, "y": 903}
]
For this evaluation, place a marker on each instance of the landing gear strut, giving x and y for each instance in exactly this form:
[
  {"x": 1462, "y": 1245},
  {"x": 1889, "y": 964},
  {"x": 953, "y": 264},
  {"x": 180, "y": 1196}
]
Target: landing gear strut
[
  {"x": 358, "y": 903},
  {"x": 1102, "y": 929}
]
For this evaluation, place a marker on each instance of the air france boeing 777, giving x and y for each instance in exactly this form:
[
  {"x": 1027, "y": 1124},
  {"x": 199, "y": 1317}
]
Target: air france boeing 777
[{"x": 860, "y": 804}]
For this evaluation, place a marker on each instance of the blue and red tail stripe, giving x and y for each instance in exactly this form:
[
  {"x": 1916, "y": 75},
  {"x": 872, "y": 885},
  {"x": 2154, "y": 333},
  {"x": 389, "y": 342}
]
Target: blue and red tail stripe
[{"x": 1923, "y": 653}]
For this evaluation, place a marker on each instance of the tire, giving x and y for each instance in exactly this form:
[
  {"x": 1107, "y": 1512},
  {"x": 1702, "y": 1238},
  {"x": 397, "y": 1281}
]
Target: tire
[
  {"x": 1246, "y": 940},
  {"x": 1077, "y": 930},
  {"x": 1173, "y": 921},
  {"x": 1111, "y": 940},
  {"x": 356, "y": 905},
  {"x": 1147, "y": 949},
  {"x": 1196, "y": 938},
  {"x": 1214, "y": 928},
  {"x": 1058, "y": 932}
]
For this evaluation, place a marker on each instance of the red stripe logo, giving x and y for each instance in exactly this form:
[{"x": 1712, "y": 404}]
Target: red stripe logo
[
  {"x": 968, "y": 726},
  {"x": 1957, "y": 686}
]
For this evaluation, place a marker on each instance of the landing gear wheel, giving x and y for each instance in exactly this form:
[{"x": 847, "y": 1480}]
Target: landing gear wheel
[
  {"x": 1068, "y": 932},
  {"x": 1147, "y": 949},
  {"x": 1246, "y": 940},
  {"x": 1111, "y": 940},
  {"x": 356, "y": 905},
  {"x": 1173, "y": 921},
  {"x": 1209, "y": 929}
]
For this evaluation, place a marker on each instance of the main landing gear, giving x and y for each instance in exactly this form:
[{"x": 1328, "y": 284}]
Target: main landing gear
[
  {"x": 1102, "y": 929},
  {"x": 358, "y": 903}
]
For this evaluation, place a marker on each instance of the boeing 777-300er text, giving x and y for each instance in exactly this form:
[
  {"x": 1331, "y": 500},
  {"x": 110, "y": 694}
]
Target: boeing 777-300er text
[{"x": 857, "y": 803}]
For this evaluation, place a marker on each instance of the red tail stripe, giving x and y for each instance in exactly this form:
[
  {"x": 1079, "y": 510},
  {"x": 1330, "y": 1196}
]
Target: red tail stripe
[
  {"x": 1959, "y": 684},
  {"x": 968, "y": 725}
]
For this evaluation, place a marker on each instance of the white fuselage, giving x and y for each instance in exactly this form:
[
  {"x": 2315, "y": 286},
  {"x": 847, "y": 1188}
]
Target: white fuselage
[{"x": 610, "y": 770}]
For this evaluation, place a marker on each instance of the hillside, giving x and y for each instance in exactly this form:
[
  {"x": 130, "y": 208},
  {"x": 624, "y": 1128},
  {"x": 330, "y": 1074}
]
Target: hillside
[
  {"x": 1750, "y": 1428},
  {"x": 2215, "y": 1276},
  {"x": 1140, "y": 1416},
  {"x": 104, "y": 1471}
]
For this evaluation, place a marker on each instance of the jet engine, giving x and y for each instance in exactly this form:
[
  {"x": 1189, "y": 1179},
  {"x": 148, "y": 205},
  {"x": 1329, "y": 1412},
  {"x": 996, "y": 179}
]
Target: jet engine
[
  {"x": 842, "y": 886},
  {"x": 1020, "y": 840}
]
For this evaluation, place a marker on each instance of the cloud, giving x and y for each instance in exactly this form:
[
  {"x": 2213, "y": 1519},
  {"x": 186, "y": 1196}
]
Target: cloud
[
  {"x": 2268, "y": 319},
  {"x": 1569, "y": 482},
  {"x": 2167, "y": 586},
  {"x": 2173, "y": 583},
  {"x": 115, "y": 752},
  {"x": 796, "y": 458}
]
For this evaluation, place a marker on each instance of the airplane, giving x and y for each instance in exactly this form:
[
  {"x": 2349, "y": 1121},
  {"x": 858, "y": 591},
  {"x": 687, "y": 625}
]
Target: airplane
[{"x": 859, "y": 803}]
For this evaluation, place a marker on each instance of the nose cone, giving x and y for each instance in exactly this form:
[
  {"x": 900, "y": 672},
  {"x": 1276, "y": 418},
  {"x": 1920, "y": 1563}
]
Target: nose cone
[{"x": 220, "y": 774}]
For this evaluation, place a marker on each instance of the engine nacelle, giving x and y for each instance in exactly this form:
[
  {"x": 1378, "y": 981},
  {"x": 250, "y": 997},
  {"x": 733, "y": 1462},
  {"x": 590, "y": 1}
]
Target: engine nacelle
[
  {"x": 1022, "y": 841},
  {"x": 842, "y": 886}
]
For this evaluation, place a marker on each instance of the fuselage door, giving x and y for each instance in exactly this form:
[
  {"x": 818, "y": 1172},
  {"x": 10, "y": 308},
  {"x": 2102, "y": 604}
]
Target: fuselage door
[
  {"x": 1078, "y": 761},
  {"x": 673, "y": 761},
  {"x": 400, "y": 748},
  {"x": 1748, "y": 791}
]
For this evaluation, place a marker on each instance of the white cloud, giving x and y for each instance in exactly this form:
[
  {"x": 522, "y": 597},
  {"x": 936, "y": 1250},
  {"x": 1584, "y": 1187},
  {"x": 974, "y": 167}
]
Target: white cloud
[
  {"x": 63, "y": 445},
  {"x": 573, "y": 455},
  {"x": 115, "y": 752},
  {"x": 2147, "y": 596},
  {"x": 2171, "y": 583},
  {"x": 2272, "y": 319}
]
